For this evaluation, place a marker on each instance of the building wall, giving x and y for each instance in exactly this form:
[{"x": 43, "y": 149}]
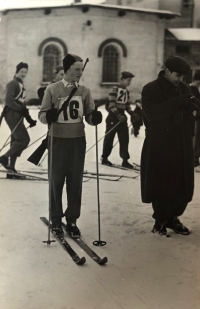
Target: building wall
[
  {"x": 147, "y": 4},
  {"x": 171, "y": 5},
  {"x": 23, "y": 31}
]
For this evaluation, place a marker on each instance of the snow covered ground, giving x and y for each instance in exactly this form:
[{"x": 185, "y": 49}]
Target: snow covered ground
[{"x": 144, "y": 270}]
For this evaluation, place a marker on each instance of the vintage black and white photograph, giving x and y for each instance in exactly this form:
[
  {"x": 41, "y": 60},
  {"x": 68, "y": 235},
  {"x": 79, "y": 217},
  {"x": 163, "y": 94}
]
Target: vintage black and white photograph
[{"x": 100, "y": 154}]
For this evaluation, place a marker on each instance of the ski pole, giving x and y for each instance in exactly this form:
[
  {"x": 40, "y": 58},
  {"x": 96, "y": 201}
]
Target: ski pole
[
  {"x": 118, "y": 140},
  {"x": 104, "y": 136},
  {"x": 48, "y": 241},
  {"x": 11, "y": 133},
  {"x": 10, "y": 141},
  {"x": 98, "y": 242},
  {"x": 40, "y": 163}
]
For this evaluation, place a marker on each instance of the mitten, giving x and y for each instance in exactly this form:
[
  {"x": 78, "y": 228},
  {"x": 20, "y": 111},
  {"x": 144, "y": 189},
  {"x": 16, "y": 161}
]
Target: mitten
[
  {"x": 122, "y": 118},
  {"x": 96, "y": 117},
  {"x": 29, "y": 119},
  {"x": 31, "y": 122},
  {"x": 51, "y": 115}
]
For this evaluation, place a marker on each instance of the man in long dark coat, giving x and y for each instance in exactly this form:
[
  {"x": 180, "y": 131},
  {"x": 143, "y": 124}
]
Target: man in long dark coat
[{"x": 167, "y": 172}]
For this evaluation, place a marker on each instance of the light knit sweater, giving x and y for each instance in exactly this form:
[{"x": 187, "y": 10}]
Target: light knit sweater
[{"x": 70, "y": 122}]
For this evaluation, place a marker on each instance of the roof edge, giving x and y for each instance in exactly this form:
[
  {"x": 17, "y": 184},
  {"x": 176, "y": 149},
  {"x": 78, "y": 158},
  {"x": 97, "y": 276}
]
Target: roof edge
[{"x": 101, "y": 6}]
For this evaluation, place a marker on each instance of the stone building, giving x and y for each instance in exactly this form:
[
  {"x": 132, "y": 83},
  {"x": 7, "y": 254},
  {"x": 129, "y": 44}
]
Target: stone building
[
  {"x": 182, "y": 35},
  {"x": 114, "y": 37}
]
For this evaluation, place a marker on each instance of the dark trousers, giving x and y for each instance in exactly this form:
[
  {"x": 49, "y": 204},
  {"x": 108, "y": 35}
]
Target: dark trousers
[
  {"x": 67, "y": 164},
  {"x": 197, "y": 143},
  {"x": 123, "y": 136},
  {"x": 20, "y": 138},
  {"x": 166, "y": 210}
]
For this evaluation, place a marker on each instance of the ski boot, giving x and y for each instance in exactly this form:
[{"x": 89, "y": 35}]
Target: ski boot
[
  {"x": 126, "y": 164},
  {"x": 56, "y": 228},
  {"x": 160, "y": 228},
  {"x": 12, "y": 175},
  {"x": 106, "y": 162},
  {"x": 4, "y": 162},
  {"x": 73, "y": 230},
  {"x": 178, "y": 227}
]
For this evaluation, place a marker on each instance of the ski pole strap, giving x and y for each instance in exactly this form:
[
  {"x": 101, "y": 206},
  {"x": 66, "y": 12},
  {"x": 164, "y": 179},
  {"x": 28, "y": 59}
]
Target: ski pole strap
[{"x": 66, "y": 103}]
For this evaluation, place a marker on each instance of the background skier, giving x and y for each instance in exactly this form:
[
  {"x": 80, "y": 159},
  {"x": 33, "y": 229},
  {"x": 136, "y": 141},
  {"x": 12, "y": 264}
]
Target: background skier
[
  {"x": 14, "y": 112},
  {"x": 119, "y": 102}
]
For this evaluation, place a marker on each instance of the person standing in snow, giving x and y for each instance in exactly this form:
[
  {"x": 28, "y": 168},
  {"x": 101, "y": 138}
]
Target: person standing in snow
[
  {"x": 69, "y": 142},
  {"x": 59, "y": 73},
  {"x": 138, "y": 123},
  {"x": 167, "y": 171},
  {"x": 14, "y": 112},
  {"x": 119, "y": 102}
]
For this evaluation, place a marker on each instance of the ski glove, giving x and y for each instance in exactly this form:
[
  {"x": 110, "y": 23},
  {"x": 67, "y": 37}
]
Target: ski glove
[
  {"x": 31, "y": 121},
  {"x": 25, "y": 113},
  {"x": 96, "y": 117},
  {"x": 51, "y": 115},
  {"x": 181, "y": 101},
  {"x": 122, "y": 118}
]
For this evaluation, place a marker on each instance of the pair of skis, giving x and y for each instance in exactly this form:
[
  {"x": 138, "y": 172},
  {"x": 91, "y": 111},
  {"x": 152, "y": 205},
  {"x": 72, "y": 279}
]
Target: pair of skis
[
  {"x": 23, "y": 176},
  {"x": 78, "y": 260},
  {"x": 136, "y": 167}
]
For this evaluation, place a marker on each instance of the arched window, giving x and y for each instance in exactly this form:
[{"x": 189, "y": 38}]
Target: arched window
[
  {"x": 52, "y": 50},
  {"x": 52, "y": 57},
  {"x": 112, "y": 52},
  {"x": 110, "y": 64}
]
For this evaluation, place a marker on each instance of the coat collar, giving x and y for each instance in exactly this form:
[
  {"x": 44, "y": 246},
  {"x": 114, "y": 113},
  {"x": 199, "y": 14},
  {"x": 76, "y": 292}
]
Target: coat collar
[
  {"x": 19, "y": 80},
  {"x": 164, "y": 82},
  {"x": 169, "y": 88}
]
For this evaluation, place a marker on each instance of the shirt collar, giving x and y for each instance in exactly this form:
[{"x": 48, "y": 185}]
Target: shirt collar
[{"x": 68, "y": 85}]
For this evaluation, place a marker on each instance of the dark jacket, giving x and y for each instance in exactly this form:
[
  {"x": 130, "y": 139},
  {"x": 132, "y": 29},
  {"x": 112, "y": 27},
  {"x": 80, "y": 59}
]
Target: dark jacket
[{"x": 167, "y": 156}]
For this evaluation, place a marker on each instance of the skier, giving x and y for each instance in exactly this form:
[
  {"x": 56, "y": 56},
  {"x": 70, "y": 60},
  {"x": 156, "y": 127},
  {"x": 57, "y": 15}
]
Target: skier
[
  {"x": 119, "y": 102},
  {"x": 69, "y": 142},
  {"x": 14, "y": 112},
  {"x": 167, "y": 172},
  {"x": 138, "y": 123},
  {"x": 59, "y": 73}
]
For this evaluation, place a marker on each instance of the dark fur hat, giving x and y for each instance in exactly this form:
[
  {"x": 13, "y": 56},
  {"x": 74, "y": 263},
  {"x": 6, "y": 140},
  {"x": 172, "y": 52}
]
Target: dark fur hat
[
  {"x": 177, "y": 64},
  {"x": 21, "y": 65},
  {"x": 69, "y": 60}
]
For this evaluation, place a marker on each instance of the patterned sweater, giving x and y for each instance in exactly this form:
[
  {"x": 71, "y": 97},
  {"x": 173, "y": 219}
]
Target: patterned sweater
[
  {"x": 70, "y": 121},
  {"x": 119, "y": 100},
  {"x": 15, "y": 94}
]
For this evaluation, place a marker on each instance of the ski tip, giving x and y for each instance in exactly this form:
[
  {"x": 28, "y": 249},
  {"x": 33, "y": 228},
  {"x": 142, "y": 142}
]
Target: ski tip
[
  {"x": 103, "y": 261},
  {"x": 81, "y": 261}
]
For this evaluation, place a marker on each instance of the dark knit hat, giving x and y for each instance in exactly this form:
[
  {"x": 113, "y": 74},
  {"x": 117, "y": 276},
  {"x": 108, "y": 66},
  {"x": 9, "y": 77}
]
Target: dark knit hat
[
  {"x": 69, "y": 60},
  {"x": 58, "y": 68},
  {"x": 21, "y": 65},
  {"x": 125, "y": 75},
  {"x": 177, "y": 64}
]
